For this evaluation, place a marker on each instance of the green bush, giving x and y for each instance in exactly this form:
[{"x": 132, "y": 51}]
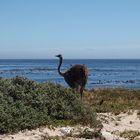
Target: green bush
[{"x": 25, "y": 104}]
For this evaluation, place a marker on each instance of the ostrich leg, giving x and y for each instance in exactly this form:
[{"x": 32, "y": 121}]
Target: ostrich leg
[{"x": 81, "y": 92}]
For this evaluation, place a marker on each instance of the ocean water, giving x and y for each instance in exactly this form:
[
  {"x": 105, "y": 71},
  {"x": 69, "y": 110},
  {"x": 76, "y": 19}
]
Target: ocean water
[{"x": 103, "y": 73}]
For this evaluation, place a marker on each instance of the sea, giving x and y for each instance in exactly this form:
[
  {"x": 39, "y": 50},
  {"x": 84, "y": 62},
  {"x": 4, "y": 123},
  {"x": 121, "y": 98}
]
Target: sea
[{"x": 102, "y": 73}]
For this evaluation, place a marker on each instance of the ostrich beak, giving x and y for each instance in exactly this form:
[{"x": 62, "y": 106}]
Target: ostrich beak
[
  {"x": 56, "y": 55},
  {"x": 59, "y": 55}
]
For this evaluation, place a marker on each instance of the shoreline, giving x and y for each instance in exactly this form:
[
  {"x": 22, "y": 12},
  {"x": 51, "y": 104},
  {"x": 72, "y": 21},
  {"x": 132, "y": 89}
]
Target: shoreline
[{"x": 115, "y": 73}]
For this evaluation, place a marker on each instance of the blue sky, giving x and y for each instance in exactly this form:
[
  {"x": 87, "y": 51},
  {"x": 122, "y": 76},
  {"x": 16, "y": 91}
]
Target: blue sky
[{"x": 95, "y": 29}]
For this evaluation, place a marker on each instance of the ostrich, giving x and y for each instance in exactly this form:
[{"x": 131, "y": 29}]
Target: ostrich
[{"x": 75, "y": 77}]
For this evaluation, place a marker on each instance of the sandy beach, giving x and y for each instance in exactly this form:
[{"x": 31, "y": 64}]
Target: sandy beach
[{"x": 113, "y": 126}]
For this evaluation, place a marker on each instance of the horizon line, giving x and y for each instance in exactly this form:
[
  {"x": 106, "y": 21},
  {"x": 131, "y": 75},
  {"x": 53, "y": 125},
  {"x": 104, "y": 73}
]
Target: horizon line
[{"x": 70, "y": 58}]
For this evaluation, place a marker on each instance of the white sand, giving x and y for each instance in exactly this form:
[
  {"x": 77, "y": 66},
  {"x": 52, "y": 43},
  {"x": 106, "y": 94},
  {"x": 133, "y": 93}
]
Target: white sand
[
  {"x": 121, "y": 122},
  {"x": 112, "y": 126}
]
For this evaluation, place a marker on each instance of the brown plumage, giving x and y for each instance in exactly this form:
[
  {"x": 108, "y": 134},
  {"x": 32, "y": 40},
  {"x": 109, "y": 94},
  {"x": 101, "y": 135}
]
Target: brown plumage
[{"x": 76, "y": 76}]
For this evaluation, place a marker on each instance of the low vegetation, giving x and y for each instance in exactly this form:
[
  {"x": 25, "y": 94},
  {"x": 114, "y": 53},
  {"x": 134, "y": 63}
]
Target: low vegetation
[
  {"x": 113, "y": 100},
  {"x": 25, "y": 104},
  {"x": 87, "y": 134},
  {"x": 130, "y": 134}
]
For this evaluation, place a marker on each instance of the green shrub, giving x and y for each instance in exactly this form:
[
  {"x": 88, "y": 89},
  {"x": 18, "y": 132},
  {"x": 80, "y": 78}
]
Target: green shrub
[{"x": 25, "y": 104}]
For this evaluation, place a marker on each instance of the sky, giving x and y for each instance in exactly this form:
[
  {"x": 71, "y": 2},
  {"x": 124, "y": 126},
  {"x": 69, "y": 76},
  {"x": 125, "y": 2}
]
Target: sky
[{"x": 89, "y": 29}]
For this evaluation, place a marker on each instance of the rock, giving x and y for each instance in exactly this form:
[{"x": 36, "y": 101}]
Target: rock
[
  {"x": 137, "y": 138},
  {"x": 107, "y": 135},
  {"x": 65, "y": 130}
]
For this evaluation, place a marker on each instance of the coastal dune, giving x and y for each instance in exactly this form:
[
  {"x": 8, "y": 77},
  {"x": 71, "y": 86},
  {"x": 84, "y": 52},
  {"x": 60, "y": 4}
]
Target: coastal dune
[
  {"x": 113, "y": 126},
  {"x": 45, "y": 111}
]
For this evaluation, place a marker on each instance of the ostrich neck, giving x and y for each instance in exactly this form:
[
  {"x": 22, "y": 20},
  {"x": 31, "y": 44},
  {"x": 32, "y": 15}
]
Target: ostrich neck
[{"x": 60, "y": 63}]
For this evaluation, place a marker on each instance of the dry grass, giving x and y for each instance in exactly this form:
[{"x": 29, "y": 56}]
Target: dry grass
[{"x": 113, "y": 100}]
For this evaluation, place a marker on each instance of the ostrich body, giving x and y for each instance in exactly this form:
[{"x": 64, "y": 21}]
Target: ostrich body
[{"x": 76, "y": 76}]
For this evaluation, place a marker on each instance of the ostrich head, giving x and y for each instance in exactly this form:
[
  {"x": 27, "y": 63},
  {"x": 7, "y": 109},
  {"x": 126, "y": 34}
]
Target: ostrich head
[{"x": 59, "y": 55}]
